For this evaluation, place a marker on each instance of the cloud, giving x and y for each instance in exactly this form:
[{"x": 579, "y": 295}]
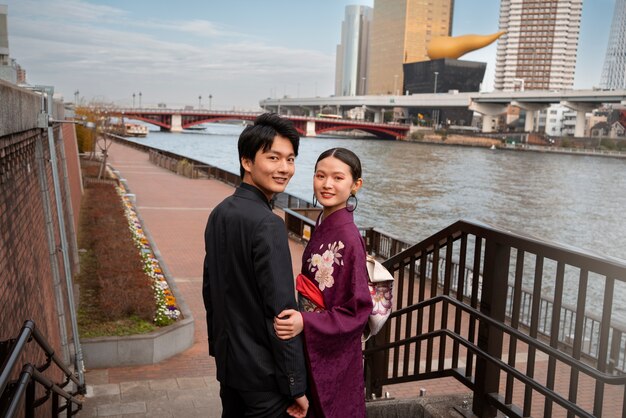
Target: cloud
[{"x": 72, "y": 43}]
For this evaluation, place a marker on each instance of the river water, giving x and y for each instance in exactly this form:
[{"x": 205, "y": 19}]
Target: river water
[{"x": 413, "y": 190}]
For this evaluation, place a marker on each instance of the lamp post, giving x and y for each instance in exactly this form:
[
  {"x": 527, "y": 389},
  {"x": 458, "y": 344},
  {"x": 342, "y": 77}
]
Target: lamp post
[
  {"x": 210, "y": 98},
  {"x": 76, "y": 93},
  {"x": 200, "y": 102},
  {"x": 139, "y": 100},
  {"x": 436, "y": 74},
  {"x": 133, "y": 100}
]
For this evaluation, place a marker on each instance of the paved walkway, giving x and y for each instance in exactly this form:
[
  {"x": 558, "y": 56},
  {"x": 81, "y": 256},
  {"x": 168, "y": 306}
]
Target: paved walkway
[{"x": 175, "y": 210}]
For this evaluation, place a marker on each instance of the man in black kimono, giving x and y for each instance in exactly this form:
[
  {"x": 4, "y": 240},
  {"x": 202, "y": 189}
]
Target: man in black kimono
[{"x": 248, "y": 280}]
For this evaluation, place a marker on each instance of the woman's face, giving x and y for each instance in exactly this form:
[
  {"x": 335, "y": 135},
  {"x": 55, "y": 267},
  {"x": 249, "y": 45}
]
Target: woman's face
[{"x": 333, "y": 184}]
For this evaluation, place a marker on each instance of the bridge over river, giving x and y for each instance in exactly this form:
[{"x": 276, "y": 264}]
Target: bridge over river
[{"x": 176, "y": 120}]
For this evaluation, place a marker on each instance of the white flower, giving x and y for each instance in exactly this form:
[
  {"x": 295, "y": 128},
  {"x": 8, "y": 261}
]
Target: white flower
[
  {"x": 324, "y": 276},
  {"x": 315, "y": 260}
]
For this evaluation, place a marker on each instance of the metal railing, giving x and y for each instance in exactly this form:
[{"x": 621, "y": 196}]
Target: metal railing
[
  {"x": 592, "y": 321},
  {"x": 437, "y": 331},
  {"x": 192, "y": 168},
  {"x": 22, "y": 391}
]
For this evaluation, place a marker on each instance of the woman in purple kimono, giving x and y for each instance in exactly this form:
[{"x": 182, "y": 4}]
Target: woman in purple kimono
[{"x": 333, "y": 293}]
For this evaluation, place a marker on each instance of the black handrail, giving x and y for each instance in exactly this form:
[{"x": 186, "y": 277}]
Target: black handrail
[
  {"x": 394, "y": 356},
  {"x": 12, "y": 392},
  {"x": 604, "y": 377}
]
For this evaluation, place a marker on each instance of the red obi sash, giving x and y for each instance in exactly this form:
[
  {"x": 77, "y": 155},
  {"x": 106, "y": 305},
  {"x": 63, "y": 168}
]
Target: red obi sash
[{"x": 309, "y": 290}]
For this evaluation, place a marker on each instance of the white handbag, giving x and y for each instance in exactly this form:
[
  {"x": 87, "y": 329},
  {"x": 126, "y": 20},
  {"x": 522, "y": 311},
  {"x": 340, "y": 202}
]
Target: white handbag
[{"x": 381, "y": 290}]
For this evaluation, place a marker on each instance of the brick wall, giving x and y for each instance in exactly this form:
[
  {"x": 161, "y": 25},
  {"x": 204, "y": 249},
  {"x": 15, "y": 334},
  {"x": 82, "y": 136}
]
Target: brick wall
[{"x": 27, "y": 284}]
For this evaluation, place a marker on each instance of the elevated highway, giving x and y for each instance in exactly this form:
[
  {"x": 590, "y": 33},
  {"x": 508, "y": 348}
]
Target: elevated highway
[{"x": 490, "y": 105}]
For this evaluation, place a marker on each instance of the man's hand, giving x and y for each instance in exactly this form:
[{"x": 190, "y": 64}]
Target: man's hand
[
  {"x": 288, "y": 324},
  {"x": 299, "y": 408}
]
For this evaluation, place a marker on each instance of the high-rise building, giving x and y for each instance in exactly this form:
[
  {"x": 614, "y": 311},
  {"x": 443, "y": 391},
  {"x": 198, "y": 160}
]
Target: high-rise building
[
  {"x": 8, "y": 71},
  {"x": 614, "y": 70},
  {"x": 21, "y": 74},
  {"x": 538, "y": 52},
  {"x": 4, "y": 36},
  {"x": 400, "y": 33},
  {"x": 351, "y": 67}
]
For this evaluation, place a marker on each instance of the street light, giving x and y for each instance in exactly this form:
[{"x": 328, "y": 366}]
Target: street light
[
  {"x": 200, "y": 102},
  {"x": 436, "y": 74},
  {"x": 210, "y": 97},
  {"x": 139, "y": 100},
  {"x": 133, "y": 100}
]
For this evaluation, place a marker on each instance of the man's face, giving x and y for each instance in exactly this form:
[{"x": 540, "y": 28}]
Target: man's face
[{"x": 271, "y": 170}]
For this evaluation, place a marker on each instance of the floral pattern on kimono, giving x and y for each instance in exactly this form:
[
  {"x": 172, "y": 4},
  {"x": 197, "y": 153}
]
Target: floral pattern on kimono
[{"x": 322, "y": 264}]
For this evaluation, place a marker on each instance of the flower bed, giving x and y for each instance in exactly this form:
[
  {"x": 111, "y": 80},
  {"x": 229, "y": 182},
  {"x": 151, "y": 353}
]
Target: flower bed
[{"x": 167, "y": 310}]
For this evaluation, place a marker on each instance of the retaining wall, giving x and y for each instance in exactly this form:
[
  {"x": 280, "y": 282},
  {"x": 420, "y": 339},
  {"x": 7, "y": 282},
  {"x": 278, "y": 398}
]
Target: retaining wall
[{"x": 28, "y": 254}]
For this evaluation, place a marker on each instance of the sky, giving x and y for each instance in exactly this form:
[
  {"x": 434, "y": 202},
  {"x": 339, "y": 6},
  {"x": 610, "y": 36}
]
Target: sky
[{"x": 237, "y": 51}]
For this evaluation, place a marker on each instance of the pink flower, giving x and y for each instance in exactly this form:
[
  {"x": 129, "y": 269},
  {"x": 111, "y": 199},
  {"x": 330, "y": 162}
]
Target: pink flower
[
  {"x": 381, "y": 297},
  {"x": 328, "y": 258}
]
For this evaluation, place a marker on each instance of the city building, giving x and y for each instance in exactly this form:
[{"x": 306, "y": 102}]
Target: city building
[
  {"x": 538, "y": 51},
  {"x": 8, "y": 66},
  {"x": 559, "y": 121},
  {"x": 614, "y": 69},
  {"x": 351, "y": 67},
  {"x": 20, "y": 74},
  {"x": 399, "y": 34}
]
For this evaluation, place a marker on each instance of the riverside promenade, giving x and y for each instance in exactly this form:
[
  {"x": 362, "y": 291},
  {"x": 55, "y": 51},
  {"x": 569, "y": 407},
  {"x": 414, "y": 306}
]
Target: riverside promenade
[{"x": 175, "y": 210}]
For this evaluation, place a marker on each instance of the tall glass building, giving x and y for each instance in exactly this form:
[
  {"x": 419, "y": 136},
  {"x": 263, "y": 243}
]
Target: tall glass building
[
  {"x": 538, "y": 51},
  {"x": 351, "y": 66},
  {"x": 614, "y": 70},
  {"x": 401, "y": 31}
]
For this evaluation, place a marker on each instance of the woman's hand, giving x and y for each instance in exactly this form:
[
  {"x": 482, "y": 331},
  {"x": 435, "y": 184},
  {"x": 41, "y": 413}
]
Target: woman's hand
[
  {"x": 299, "y": 408},
  {"x": 288, "y": 324}
]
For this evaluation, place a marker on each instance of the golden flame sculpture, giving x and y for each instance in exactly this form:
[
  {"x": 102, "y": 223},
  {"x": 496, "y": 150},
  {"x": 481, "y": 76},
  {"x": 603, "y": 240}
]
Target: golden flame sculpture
[{"x": 455, "y": 46}]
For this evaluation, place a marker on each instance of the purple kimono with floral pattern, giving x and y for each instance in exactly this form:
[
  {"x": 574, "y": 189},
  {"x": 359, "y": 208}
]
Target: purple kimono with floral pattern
[{"x": 334, "y": 260}]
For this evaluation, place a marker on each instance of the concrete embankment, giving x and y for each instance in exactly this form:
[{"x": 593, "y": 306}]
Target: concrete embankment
[{"x": 485, "y": 142}]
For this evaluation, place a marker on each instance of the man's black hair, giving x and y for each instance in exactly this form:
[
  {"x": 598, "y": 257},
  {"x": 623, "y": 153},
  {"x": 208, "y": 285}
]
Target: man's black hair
[{"x": 261, "y": 136}]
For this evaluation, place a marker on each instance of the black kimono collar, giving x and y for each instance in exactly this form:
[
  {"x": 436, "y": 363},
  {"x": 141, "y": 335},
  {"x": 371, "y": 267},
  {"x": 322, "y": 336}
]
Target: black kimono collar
[{"x": 257, "y": 193}]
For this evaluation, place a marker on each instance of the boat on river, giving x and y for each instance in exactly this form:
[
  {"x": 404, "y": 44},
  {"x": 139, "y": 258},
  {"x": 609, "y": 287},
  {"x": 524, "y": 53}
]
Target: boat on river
[{"x": 131, "y": 129}]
